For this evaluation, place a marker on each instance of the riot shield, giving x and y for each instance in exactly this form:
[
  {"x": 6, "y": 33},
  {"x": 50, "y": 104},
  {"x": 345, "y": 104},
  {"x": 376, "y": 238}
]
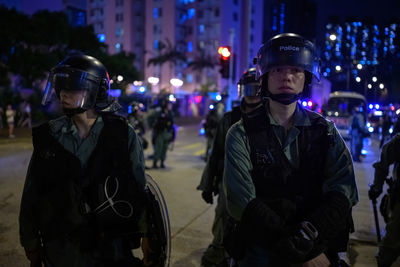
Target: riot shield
[{"x": 159, "y": 230}]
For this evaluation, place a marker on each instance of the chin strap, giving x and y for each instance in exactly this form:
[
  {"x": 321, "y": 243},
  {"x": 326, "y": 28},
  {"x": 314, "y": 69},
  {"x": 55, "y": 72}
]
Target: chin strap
[
  {"x": 285, "y": 99},
  {"x": 251, "y": 105},
  {"x": 69, "y": 112}
]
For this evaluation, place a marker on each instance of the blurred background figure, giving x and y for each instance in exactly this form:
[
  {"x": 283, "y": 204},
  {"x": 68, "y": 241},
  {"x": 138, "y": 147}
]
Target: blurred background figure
[
  {"x": 385, "y": 123},
  {"x": 357, "y": 131},
  {"x": 210, "y": 127},
  {"x": 25, "y": 119},
  {"x": 136, "y": 119},
  {"x": 1, "y": 117},
  {"x": 163, "y": 133},
  {"x": 10, "y": 114}
]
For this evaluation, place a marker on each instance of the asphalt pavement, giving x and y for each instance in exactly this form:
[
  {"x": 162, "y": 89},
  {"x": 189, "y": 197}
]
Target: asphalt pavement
[{"x": 190, "y": 217}]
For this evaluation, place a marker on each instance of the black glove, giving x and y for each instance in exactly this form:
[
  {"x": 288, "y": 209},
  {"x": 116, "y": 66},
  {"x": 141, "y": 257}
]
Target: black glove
[
  {"x": 374, "y": 191},
  {"x": 207, "y": 196},
  {"x": 260, "y": 224},
  {"x": 297, "y": 246}
]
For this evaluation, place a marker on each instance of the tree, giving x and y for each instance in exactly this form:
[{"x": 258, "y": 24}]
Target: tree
[
  {"x": 168, "y": 53},
  {"x": 31, "y": 46},
  {"x": 200, "y": 64},
  {"x": 121, "y": 64}
]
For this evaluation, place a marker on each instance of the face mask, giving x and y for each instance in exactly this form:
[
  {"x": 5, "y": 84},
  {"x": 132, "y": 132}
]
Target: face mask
[
  {"x": 69, "y": 112},
  {"x": 285, "y": 99}
]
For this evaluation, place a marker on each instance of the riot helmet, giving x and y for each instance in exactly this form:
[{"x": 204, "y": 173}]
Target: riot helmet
[
  {"x": 287, "y": 49},
  {"x": 85, "y": 78},
  {"x": 248, "y": 85}
]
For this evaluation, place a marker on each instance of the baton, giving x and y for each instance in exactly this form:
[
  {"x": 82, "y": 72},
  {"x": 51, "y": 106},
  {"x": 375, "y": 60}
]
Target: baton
[{"x": 378, "y": 229}]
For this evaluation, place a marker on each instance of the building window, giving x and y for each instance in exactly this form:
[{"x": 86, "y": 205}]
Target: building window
[
  {"x": 101, "y": 37},
  {"x": 216, "y": 12},
  {"x": 201, "y": 45},
  {"x": 92, "y": 12},
  {"x": 235, "y": 2},
  {"x": 119, "y": 17},
  {"x": 200, "y": 14},
  {"x": 119, "y": 32},
  {"x": 156, "y": 44},
  {"x": 118, "y": 48},
  {"x": 155, "y": 12},
  {"x": 190, "y": 47},
  {"x": 191, "y": 13},
  {"x": 189, "y": 78},
  {"x": 252, "y": 23},
  {"x": 235, "y": 16},
  {"x": 119, "y": 2},
  {"x": 201, "y": 28}
]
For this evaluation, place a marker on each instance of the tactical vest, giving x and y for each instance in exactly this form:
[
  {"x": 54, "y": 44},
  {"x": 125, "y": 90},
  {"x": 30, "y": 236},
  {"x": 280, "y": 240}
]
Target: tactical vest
[
  {"x": 274, "y": 177},
  {"x": 101, "y": 198}
]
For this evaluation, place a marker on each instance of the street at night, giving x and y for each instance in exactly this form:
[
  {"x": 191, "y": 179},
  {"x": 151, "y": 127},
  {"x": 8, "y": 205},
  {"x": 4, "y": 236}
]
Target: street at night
[{"x": 191, "y": 219}]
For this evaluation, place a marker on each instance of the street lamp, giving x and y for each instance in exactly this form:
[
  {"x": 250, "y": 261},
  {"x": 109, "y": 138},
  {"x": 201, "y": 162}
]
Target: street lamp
[
  {"x": 374, "y": 79},
  {"x": 153, "y": 80},
  {"x": 176, "y": 83},
  {"x": 120, "y": 78}
]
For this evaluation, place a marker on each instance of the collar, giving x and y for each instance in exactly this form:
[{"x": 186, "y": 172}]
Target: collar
[{"x": 300, "y": 117}]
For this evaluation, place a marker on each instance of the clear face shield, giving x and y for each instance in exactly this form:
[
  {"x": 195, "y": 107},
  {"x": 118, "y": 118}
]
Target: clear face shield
[
  {"x": 249, "y": 89},
  {"x": 73, "y": 88}
]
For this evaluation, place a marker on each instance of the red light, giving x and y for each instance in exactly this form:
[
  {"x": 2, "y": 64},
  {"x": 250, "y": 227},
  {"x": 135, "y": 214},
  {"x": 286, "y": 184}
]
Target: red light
[
  {"x": 309, "y": 103},
  {"x": 224, "y": 52},
  {"x": 392, "y": 108},
  {"x": 197, "y": 99}
]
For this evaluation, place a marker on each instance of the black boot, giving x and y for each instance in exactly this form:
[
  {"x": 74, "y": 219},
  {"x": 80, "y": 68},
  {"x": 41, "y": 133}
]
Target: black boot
[
  {"x": 162, "y": 164},
  {"x": 155, "y": 164}
]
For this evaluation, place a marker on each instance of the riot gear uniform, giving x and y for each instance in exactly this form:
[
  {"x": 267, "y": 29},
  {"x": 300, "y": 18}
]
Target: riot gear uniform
[
  {"x": 85, "y": 199},
  {"x": 212, "y": 175},
  {"x": 388, "y": 250},
  {"x": 290, "y": 187}
]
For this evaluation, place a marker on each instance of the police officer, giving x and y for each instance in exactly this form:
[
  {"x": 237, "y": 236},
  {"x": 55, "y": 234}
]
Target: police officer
[
  {"x": 289, "y": 178},
  {"x": 83, "y": 199},
  {"x": 211, "y": 180},
  {"x": 163, "y": 133},
  {"x": 358, "y": 131},
  {"x": 389, "y": 247},
  {"x": 136, "y": 119}
]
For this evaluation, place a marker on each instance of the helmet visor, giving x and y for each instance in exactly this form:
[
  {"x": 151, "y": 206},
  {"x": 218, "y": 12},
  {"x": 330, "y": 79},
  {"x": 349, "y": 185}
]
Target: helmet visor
[
  {"x": 249, "y": 89},
  {"x": 80, "y": 85}
]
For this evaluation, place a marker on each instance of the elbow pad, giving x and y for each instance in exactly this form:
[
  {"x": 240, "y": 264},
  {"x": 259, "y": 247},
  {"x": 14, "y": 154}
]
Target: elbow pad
[
  {"x": 260, "y": 223},
  {"x": 331, "y": 217}
]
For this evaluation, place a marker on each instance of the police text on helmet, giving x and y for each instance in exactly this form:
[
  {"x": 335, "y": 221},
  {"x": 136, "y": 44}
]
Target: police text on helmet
[{"x": 289, "y": 47}]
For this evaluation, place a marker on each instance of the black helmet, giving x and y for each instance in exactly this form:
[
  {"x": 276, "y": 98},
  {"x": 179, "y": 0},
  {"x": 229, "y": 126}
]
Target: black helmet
[
  {"x": 288, "y": 49},
  {"x": 248, "y": 85},
  {"x": 80, "y": 73}
]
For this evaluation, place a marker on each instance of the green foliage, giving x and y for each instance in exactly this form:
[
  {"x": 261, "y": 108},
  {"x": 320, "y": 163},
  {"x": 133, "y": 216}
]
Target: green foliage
[
  {"x": 202, "y": 62},
  {"x": 168, "y": 53},
  {"x": 31, "y": 46},
  {"x": 120, "y": 64}
]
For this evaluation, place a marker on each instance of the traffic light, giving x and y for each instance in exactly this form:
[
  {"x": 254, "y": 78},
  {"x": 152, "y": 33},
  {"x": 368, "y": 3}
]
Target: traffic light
[{"x": 225, "y": 56}]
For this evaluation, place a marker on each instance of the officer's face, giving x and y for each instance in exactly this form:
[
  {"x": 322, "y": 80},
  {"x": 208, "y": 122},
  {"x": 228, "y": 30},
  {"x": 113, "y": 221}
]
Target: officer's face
[
  {"x": 72, "y": 99},
  {"x": 286, "y": 80}
]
